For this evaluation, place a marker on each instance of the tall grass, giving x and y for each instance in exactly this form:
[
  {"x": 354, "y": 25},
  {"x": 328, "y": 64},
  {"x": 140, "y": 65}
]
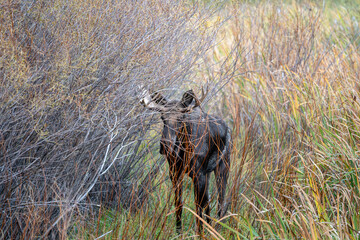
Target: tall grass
[{"x": 296, "y": 106}]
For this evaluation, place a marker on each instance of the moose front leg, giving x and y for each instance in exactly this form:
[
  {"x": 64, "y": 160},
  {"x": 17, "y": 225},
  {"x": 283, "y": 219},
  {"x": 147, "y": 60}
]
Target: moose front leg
[
  {"x": 176, "y": 178},
  {"x": 201, "y": 198}
]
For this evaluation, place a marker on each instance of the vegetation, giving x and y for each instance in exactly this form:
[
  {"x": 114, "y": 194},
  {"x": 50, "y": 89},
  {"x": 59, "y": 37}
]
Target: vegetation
[{"x": 79, "y": 156}]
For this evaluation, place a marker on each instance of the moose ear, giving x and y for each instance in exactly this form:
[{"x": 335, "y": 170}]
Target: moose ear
[{"x": 187, "y": 98}]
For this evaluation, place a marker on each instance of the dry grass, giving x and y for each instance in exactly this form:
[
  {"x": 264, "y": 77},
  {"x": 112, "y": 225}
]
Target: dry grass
[{"x": 297, "y": 103}]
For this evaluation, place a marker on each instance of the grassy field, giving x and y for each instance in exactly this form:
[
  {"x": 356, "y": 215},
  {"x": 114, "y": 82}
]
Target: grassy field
[{"x": 287, "y": 81}]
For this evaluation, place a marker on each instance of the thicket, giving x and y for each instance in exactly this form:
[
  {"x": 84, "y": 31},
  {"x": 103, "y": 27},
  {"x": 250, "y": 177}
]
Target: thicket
[{"x": 71, "y": 127}]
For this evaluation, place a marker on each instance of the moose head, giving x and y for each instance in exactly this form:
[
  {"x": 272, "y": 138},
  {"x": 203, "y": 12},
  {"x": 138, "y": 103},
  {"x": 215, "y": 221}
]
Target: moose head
[
  {"x": 173, "y": 114},
  {"x": 193, "y": 143}
]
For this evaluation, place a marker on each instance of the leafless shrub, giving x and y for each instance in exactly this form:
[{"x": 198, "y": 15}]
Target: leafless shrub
[{"x": 69, "y": 118}]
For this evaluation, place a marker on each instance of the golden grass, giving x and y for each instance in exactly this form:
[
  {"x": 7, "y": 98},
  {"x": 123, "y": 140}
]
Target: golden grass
[{"x": 296, "y": 102}]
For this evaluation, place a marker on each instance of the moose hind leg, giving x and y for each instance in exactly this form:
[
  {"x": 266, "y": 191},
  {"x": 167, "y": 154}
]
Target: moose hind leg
[
  {"x": 201, "y": 182},
  {"x": 178, "y": 206},
  {"x": 221, "y": 175}
]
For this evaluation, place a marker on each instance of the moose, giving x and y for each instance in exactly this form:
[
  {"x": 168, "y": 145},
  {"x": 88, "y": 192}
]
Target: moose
[{"x": 193, "y": 143}]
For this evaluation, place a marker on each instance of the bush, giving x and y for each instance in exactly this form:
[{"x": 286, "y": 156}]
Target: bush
[{"x": 70, "y": 122}]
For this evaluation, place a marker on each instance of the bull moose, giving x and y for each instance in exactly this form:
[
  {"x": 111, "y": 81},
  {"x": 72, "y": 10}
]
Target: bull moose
[{"x": 193, "y": 143}]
